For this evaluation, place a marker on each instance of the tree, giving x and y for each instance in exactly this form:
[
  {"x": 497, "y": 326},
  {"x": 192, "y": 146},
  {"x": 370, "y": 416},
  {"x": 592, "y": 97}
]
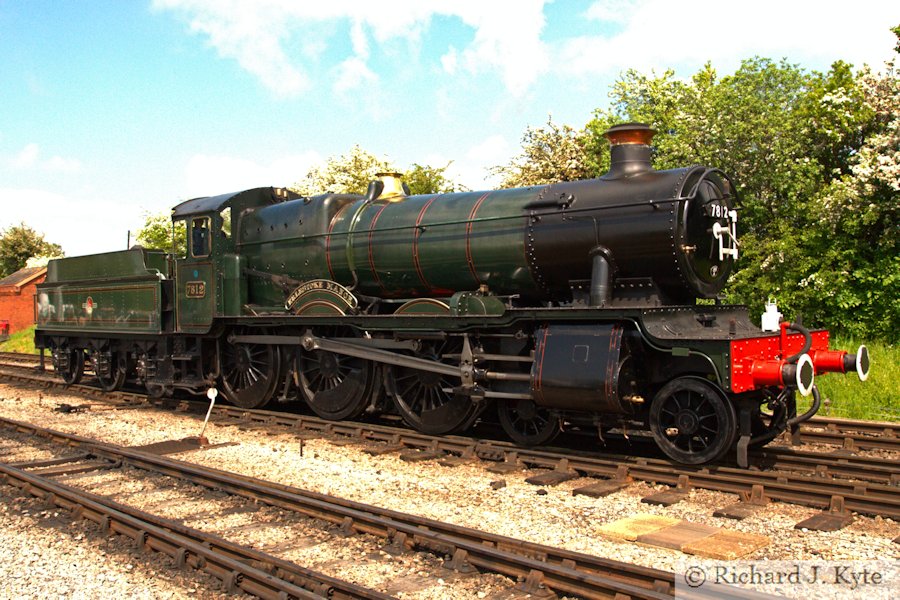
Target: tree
[
  {"x": 21, "y": 242},
  {"x": 748, "y": 124},
  {"x": 351, "y": 173},
  {"x": 549, "y": 154},
  {"x": 423, "y": 179},
  {"x": 346, "y": 174},
  {"x": 157, "y": 234},
  {"x": 815, "y": 159}
]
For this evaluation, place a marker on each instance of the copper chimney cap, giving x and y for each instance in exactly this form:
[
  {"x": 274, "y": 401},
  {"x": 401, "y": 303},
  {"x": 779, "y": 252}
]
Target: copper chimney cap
[{"x": 630, "y": 133}]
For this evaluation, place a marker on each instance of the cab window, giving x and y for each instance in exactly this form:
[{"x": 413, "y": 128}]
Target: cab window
[
  {"x": 200, "y": 242},
  {"x": 179, "y": 235},
  {"x": 226, "y": 222}
]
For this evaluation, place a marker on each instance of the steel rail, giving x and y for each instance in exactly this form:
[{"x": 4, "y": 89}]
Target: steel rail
[
  {"x": 876, "y": 499},
  {"x": 866, "y": 435},
  {"x": 186, "y": 546},
  {"x": 817, "y": 491},
  {"x": 562, "y": 571}
]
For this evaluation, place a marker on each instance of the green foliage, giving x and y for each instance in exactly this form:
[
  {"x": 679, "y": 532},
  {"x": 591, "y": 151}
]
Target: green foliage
[
  {"x": 20, "y": 243},
  {"x": 158, "y": 234},
  {"x": 351, "y": 173},
  {"x": 423, "y": 179},
  {"x": 549, "y": 154},
  {"x": 816, "y": 160},
  {"x": 346, "y": 174},
  {"x": 21, "y": 341}
]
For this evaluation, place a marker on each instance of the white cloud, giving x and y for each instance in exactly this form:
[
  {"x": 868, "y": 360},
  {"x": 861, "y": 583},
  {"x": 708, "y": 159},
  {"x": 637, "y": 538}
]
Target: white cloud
[
  {"x": 58, "y": 164},
  {"x": 507, "y": 39},
  {"x": 659, "y": 34},
  {"x": 27, "y": 158},
  {"x": 471, "y": 169},
  {"x": 210, "y": 175},
  {"x": 352, "y": 74},
  {"x": 80, "y": 225},
  {"x": 494, "y": 148},
  {"x": 256, "y": 33},
  {"x": 611, "y": 11},
  {"x": 30, "y": 158}
]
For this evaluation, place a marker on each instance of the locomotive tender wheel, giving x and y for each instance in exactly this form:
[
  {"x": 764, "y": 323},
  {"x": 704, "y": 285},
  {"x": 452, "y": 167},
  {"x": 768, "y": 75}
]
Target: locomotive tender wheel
[
  {"x": 250, "y": 373},
  {"x": 116, "y": 377},
  {"x": 335, "y": 386},
  {"x": 73, "y": 364},
  {"x": 526, "y": 423},
  {"x": 420, "y": 397},
  {"x": 692, "y": 421}
]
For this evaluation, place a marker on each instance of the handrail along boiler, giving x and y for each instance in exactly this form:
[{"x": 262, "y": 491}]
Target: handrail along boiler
[{"x": 564, "y": 305}]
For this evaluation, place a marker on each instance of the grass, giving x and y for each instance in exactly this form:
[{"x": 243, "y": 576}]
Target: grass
[
  {"x": 877, "y": 399},
  {"x": 21, "y": 341}
]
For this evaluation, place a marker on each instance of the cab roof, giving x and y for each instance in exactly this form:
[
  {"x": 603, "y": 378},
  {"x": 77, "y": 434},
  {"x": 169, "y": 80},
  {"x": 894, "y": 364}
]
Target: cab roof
[{"x": 240, "y": 200}]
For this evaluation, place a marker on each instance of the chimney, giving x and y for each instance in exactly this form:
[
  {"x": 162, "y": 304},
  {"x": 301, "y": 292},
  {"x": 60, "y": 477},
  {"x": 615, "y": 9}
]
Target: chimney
[{"x": 629, "y": 149}]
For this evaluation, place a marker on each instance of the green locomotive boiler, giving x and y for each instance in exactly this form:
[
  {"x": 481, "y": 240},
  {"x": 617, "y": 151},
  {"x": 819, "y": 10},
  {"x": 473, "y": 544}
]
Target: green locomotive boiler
[{"x": 554, "y": 306}]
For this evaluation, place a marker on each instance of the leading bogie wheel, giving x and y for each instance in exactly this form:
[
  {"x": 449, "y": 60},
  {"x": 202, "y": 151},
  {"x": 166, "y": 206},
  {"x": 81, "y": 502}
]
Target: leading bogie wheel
[
  {"x": 526, "y": 423},
  {"x": 250, "y": 373},
  {"x": 692, "y": 421}
]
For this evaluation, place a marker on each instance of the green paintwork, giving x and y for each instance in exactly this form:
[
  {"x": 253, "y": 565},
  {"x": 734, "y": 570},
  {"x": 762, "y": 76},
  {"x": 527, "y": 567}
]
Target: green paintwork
[
  {"x": 416, "y": 246},
  {"x": 124, "y": 288},
  {"x": 196, "y": 308},
  {"x": 136, "y": 262},
  {"x": 221, "y": 274},
  {"x": 423, "y": 306},
  {"x": 234, "y": 285},
  {"x": 466, "y": 304},
  {"x": 433, "y": 246}
]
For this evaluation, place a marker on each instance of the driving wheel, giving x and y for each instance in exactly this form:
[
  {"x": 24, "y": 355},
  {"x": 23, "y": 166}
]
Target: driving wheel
[
  {"x": 250, "y": 373},
  {"x": 335, "y": 386},
  {"x": 425, "y": 399}
]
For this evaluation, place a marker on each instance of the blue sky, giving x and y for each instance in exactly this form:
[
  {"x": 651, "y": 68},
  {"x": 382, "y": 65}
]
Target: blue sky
[{"x": 111, "y": 109}]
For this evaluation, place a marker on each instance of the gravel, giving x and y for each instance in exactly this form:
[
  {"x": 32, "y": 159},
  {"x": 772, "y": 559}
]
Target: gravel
[{"x": 463, "y": 495}]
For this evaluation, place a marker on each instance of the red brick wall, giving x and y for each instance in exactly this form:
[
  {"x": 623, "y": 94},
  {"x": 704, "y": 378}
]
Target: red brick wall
[{"x": 18, "y": 309}]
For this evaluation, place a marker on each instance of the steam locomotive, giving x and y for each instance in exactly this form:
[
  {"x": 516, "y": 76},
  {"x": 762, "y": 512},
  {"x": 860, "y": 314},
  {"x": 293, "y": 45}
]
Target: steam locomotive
[{"x": 571, "y": 305}]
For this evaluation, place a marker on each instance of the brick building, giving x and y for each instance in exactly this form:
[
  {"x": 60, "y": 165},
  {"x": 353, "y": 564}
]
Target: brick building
[{"x": 17, "y": 296}]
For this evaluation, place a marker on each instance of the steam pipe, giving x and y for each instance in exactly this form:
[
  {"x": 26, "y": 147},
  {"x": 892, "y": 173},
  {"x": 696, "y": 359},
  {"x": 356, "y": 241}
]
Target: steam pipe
[
  {"x": 807, "y": 343},
  {"x": 817, "y": 402},
  {"x": 601, "y": 288}
]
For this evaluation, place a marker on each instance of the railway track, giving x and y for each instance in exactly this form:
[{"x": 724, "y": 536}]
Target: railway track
[
  {"x": 850, "y": 434},
  {"x": 238, "y": 568},
  {"x": 539, "y": 568},
  {"x": 835, "y": 482}
]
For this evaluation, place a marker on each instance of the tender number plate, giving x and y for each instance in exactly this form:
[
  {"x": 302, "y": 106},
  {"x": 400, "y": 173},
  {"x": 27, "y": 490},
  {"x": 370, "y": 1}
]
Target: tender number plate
[{"x": 195, "y": 289}]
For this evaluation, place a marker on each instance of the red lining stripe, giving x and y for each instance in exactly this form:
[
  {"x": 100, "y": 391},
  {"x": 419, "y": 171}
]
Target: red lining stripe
[
  {"x": 371, "y": 254},
  {"x": 416, "y": 244},
  {"x": 334, "y": 221},
  {"x": 469, "y": 226}
]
